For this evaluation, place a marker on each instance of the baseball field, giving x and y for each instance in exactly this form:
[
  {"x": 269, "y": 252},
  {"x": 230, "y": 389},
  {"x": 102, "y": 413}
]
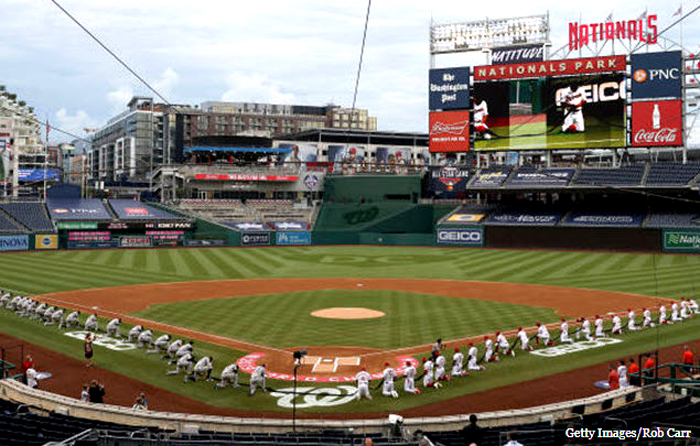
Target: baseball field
[{"x": 349, "y": 307}]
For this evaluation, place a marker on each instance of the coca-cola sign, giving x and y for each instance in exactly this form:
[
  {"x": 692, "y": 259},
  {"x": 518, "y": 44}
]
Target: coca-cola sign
[{"x": 657, "y": 123}]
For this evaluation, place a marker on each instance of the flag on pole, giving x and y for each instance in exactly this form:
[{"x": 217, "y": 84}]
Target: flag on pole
[
  {"x": 679, "y": 12},
  {"x": 609, "y": 18},
  {"x": 48, "y": 130},
  {"x": 643, "y": 15}
]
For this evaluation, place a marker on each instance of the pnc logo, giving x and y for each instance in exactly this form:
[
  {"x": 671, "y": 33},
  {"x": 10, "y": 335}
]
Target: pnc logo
[{"x": 640, "y": 76}]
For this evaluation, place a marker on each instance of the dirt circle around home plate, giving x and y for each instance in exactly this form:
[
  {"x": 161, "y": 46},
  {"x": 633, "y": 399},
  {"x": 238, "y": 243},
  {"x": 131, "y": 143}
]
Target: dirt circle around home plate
[{"x": 347, "y": 313}]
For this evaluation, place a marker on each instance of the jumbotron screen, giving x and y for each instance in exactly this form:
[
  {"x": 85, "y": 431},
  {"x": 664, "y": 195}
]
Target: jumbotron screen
[{"x": 550, "y": 112}]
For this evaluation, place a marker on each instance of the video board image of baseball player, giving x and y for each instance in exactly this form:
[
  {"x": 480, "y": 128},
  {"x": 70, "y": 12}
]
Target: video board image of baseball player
[{"x": 571, "y": 112}]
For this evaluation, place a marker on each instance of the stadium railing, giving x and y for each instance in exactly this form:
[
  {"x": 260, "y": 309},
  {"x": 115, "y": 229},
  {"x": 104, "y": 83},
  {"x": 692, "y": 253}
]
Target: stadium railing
[{"x": 20, "y": 393}]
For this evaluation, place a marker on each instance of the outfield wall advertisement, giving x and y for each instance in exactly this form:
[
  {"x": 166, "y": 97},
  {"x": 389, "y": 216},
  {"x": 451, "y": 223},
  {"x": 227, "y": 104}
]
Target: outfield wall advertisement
[
  {"x": 14, "y": 243},
  {"x": 255, "y": 239},
  {"x": 678, "y": 240},
  {"x": 293, "y": 238},
  {"x": 462, "y": 237}
]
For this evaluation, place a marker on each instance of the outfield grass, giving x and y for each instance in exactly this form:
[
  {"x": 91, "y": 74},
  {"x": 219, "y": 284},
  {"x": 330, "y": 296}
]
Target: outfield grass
[
  {"x": 41, "y": 272},
  {"x": 284, "y": 320}
]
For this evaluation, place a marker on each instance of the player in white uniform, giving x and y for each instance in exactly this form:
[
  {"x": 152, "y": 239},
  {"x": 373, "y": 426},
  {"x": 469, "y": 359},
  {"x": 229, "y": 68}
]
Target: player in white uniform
[
  {"x": 522, "y": 337},
  {"x": 693, "y": 306},
  {"x": 113, "y": 328},
  {"x": 5, "y": 299},
  {"x": 457, "y": 363},
  {"x": 12, "y": 304},
  {"x": 161, "y": 345},
  {"x": 28, "y": 308},
  {"x": 617, "y": 324},
  {"x": 662, "y": 315},
  {"x": 72, "y": 320},
  {"x": 572, "y": 98},
  {"x": 585, "y": 329},
  {"x": 56, "y": 318},
  {"x": 229, "y": 375},
  {"x": 630, "y": 320},
  {"x": 363, "y": 378},
  {"x": 502, "y": 343},
  {"x": 409, "y": 382},
  {"x": 388, "y": 386},
  {"x": 91, "y": 323},
  {"x": 172, "y": 350},
  {"x": 599, "y": 333},
  {"x": 622, "y": 372},
  {"x": 564, "y": 336},
  {"x": 488, "y": 350},
  {"x": 543, "y": 335},
  {"x": 472, "y": 360},
  {"x": 685, "y": 311},
  {"x": 134, "y": 333},
  {"x": 31, "y": 378},
  {"x": 481, "y": 113},
  {"x": 647, "y": 318},
  {"x": 186, "y": 348},
  {"x": 202, "y": 368},
  {"x": 674, "y": 313},
  {"x": 145, "y": 339},
  {"x": 440, "y": 373},
  {"x": 258, "y": 378},
  {"x": 48, "y": 313},
  {"x": 185, "y": 362},
  {"x": 38, "y": 311},
  {"x": 428, "y": 377}
]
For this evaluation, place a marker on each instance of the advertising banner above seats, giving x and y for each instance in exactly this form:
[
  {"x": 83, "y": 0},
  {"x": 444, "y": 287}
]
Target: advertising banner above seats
[
  {"x": 657, "y": 123},
  {"x": 656, "y": 75},
  {"x": 449, "y": 179},
  {"x": 449, "y": 131}
]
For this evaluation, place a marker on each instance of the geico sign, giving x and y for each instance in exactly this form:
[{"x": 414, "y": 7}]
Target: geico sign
[
  {"x": 603, "y": 92},
  {"x": 459, "y": 236}
]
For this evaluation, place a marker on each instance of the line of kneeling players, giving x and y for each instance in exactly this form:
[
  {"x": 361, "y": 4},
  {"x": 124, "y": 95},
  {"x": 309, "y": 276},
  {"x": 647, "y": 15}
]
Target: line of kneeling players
[
  {"x": 181, "y": 354},
  {"x": 176, "y": 352},
  {"x": 434, "y": 366}
]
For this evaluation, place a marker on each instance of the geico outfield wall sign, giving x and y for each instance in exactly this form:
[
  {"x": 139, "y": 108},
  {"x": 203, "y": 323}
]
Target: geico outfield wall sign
[
  {"x": 681, "y": 241},
  {"x": 566, "y": 349},
  {"x": 103, "y": 341},
  {"x": 14, "y": 243},
  {"x": 468, "y": 237},
  {"x": 314, "y": 397}
]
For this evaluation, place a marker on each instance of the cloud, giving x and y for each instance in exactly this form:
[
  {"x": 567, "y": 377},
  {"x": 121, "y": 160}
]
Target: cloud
[
  {"x": 73, "y": 123},
  {"x": 119, "y": 98},
  {"x": 255, "y": 88},
  {"x": 167, "y": 81}
]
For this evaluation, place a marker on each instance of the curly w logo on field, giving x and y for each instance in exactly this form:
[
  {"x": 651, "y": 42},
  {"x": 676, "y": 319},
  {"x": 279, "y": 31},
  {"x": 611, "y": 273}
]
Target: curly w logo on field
[{"x": 315, "y": 397}]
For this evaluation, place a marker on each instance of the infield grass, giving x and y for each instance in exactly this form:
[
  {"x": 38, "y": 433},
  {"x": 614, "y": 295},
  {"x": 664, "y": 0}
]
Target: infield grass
[{"x": 284, "y": 320}]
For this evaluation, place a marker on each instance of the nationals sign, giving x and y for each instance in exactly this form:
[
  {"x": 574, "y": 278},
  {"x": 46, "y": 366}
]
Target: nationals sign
[
  {"x": 449, "y": 131},
  {"x": 551, "y": 68},
  {"x": 643, "y": 29},
  {"x": 657, "y": 123}
]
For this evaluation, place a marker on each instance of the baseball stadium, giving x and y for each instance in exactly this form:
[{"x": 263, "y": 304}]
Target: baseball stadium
[{"x": 512, "y": 277}]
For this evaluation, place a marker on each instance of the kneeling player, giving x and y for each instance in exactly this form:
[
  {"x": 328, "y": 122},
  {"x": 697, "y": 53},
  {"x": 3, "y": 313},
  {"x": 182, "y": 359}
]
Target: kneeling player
[{"x": 229, "y": 375}]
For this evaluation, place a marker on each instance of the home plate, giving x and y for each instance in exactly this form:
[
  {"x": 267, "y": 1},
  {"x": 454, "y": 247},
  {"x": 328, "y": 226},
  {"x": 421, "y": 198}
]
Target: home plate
[{"x": 360, "y": 284}]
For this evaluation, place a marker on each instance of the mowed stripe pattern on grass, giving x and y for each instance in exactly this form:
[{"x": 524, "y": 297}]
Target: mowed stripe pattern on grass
[
  {"x": 411, "y": 318},
  {"x": 656, "y": 275}
]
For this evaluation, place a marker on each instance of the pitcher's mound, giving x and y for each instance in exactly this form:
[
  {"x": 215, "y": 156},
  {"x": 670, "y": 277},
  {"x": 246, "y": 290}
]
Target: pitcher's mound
[{"x": 347, "y": 313}]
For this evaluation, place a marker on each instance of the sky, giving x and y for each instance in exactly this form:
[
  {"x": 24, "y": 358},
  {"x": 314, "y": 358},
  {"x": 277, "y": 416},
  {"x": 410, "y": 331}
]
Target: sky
[{"x": 291, "y": 52}]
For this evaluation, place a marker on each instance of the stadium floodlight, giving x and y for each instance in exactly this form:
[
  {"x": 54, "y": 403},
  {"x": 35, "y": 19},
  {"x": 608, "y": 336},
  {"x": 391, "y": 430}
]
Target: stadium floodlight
[{"x": 485, "y": 34}]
